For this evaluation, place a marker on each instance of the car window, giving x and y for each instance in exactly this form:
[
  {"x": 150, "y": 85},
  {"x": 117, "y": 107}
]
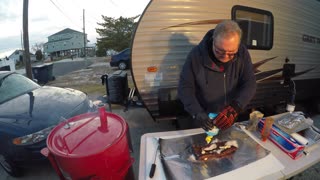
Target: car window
[
  {"x": 15, "y": 85},
  {"x": 127, "y": 52}
]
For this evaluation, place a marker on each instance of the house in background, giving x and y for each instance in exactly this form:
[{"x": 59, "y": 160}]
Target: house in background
[
  {"x": 66, "y": 43},
  {"x": 17, "y": 56},
  {"x": 7, "y": 64}
]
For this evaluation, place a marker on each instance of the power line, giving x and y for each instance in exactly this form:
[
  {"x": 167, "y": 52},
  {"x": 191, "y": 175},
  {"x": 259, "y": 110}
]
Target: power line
[
  {"x": 93, "y": 20},
  {"x": 88, "y": 11},
  {"x": 64, "y": 14},
  {"x": 119, "y": 9},
  {"x": 113, "y": 3}
]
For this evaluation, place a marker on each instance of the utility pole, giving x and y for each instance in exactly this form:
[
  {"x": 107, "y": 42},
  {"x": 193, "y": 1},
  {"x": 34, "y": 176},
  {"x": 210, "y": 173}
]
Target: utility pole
[
  {"x": 21, "y": 35},
  {"x": 84, "y": 36},
  {"x": 26, "y": 55}
]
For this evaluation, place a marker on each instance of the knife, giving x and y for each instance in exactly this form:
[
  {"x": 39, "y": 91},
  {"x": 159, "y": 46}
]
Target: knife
[{"x": 153, "y": 166}]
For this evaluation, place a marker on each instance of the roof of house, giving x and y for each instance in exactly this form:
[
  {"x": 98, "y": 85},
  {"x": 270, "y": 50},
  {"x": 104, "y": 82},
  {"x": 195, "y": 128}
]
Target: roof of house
[
  {"x": 19, "y": 50},
  {"x": 65, "y": 31}
]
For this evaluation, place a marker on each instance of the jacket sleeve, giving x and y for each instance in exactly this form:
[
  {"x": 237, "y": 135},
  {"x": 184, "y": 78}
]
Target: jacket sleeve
[
  {"x": 247, "y": 84},
  {"x": 187, "y": 86}
]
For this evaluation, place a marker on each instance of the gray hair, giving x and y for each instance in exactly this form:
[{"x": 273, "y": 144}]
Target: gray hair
[{"x": 226, "y": 28}]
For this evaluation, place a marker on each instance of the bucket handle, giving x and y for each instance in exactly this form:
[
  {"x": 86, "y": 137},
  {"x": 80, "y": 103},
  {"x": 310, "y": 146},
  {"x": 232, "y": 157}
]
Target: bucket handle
[
  {"x": 62, "y": 140},
  {"x": 45, "y": 151},
  {"x": 61, "y": 143},
  {"x": 103, "y": 120}
]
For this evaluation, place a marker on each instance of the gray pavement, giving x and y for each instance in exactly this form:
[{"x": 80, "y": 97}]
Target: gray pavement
[
  {"x": 140, "y": 122},
  {"x": 64, "y": 66}
]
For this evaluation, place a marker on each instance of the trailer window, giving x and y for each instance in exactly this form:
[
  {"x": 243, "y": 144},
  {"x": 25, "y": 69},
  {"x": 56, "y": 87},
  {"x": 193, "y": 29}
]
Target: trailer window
[{"x": 256, "y": 25}]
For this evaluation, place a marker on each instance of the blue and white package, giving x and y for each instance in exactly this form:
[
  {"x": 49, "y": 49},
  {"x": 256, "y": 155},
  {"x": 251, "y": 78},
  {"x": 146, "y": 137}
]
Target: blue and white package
[{"x": 284, "y": 141}]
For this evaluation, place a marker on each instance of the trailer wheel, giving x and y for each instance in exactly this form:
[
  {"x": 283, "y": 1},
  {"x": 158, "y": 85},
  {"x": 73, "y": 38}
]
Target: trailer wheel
[
  {"x": 9, "y": 167},
  {"x": 122, "y": 65}
]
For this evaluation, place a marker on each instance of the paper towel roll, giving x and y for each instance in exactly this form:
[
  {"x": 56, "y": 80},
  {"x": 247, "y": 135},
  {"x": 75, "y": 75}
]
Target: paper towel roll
[{"x": 300, "y": 138}]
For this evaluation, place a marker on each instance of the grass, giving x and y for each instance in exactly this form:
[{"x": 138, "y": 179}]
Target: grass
[
  {"x": 88, "y": 81},
  {"x": 90, "y": 88}
]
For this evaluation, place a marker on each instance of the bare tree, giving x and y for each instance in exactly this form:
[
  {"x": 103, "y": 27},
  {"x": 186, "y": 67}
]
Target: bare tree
[{"x": 37, "y": 46}]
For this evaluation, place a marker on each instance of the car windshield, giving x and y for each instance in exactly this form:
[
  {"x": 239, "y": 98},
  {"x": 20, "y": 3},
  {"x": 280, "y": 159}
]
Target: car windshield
[
  {"x": 14, "y": 85},
  {"x": 125, "y": 51}
]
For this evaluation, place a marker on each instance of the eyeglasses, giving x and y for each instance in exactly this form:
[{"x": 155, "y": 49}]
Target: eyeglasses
[{"x": 222, "y": 52}]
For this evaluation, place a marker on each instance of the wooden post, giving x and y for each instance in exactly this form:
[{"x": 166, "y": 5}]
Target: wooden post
[
  {"x": 26, "y": 40},
  {"x": 84, "y": 36}
]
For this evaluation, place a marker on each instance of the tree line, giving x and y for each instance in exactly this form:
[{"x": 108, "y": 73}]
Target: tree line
[{"x": 115, "y": 34}]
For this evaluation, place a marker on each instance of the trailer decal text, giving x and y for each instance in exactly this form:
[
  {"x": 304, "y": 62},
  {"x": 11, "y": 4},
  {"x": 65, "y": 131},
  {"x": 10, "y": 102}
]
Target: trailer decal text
[{"x": 310, "y": 39}]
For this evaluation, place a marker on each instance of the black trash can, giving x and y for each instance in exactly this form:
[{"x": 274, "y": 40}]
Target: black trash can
[
  {"x": 116, "y": 86},
  {"x": 43, "y": 72}
]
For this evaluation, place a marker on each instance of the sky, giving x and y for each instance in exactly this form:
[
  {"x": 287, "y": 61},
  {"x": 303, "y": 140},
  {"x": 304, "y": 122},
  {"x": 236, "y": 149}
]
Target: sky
[{"x": 47, "y": 17}]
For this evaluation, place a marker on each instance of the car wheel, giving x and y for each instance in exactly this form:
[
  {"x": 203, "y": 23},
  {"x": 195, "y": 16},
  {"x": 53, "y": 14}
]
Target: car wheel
[
  {"x": 122, "y": 65},
  {"x": 9, "y": 167}
]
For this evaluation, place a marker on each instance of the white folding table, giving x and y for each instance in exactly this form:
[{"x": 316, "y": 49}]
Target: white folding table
[{"x": 276, "y": 165}]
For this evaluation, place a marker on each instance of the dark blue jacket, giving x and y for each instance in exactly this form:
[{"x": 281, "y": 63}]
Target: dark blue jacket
[{"x": 204, "y": 87}]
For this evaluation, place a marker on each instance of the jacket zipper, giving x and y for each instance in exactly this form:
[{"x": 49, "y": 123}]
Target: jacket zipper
[{"x": 225, "y": 89}]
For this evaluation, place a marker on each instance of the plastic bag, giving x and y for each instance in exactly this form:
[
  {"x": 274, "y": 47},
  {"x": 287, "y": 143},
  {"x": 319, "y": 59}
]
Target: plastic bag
[{"x": 292, "y": 120}]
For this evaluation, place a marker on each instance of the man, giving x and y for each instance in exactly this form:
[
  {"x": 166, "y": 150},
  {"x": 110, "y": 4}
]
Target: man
[{"x": 217, "y": 77}]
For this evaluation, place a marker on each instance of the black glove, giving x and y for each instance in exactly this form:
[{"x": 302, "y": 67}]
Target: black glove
[
  {"x": 203, "y": 120},
  {"x": 227, "y": 116}
]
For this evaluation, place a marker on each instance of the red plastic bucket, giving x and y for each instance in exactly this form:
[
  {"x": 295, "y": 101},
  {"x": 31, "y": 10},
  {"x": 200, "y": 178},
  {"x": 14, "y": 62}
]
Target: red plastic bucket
[{"x": 90, "y": 146}]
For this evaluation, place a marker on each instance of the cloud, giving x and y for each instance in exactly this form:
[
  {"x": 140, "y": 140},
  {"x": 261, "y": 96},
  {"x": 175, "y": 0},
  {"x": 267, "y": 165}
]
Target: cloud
[
  {"x": 4, "y": 16},
  {"x": 4, "y": 4},
  {"x": 14, "y": 42},
  {"x": 45, "y": 19},
  {"x": 9, "y": 44},
  {"x": 10, "y": 10},
  {"x": 39, "y": 19}
]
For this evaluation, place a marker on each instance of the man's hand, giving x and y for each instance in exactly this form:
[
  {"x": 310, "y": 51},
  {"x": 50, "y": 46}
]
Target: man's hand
[
  {"x": 226, "y": 117},
  {"x": 204, "y": 121}
]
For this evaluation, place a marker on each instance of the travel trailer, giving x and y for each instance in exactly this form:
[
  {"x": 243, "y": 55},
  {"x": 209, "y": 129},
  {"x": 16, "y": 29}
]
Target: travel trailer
[{"x": 283, "y": 38}]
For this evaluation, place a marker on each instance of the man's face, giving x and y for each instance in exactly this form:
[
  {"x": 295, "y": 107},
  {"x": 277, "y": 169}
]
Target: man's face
[{"x": 225, "y": 48}]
